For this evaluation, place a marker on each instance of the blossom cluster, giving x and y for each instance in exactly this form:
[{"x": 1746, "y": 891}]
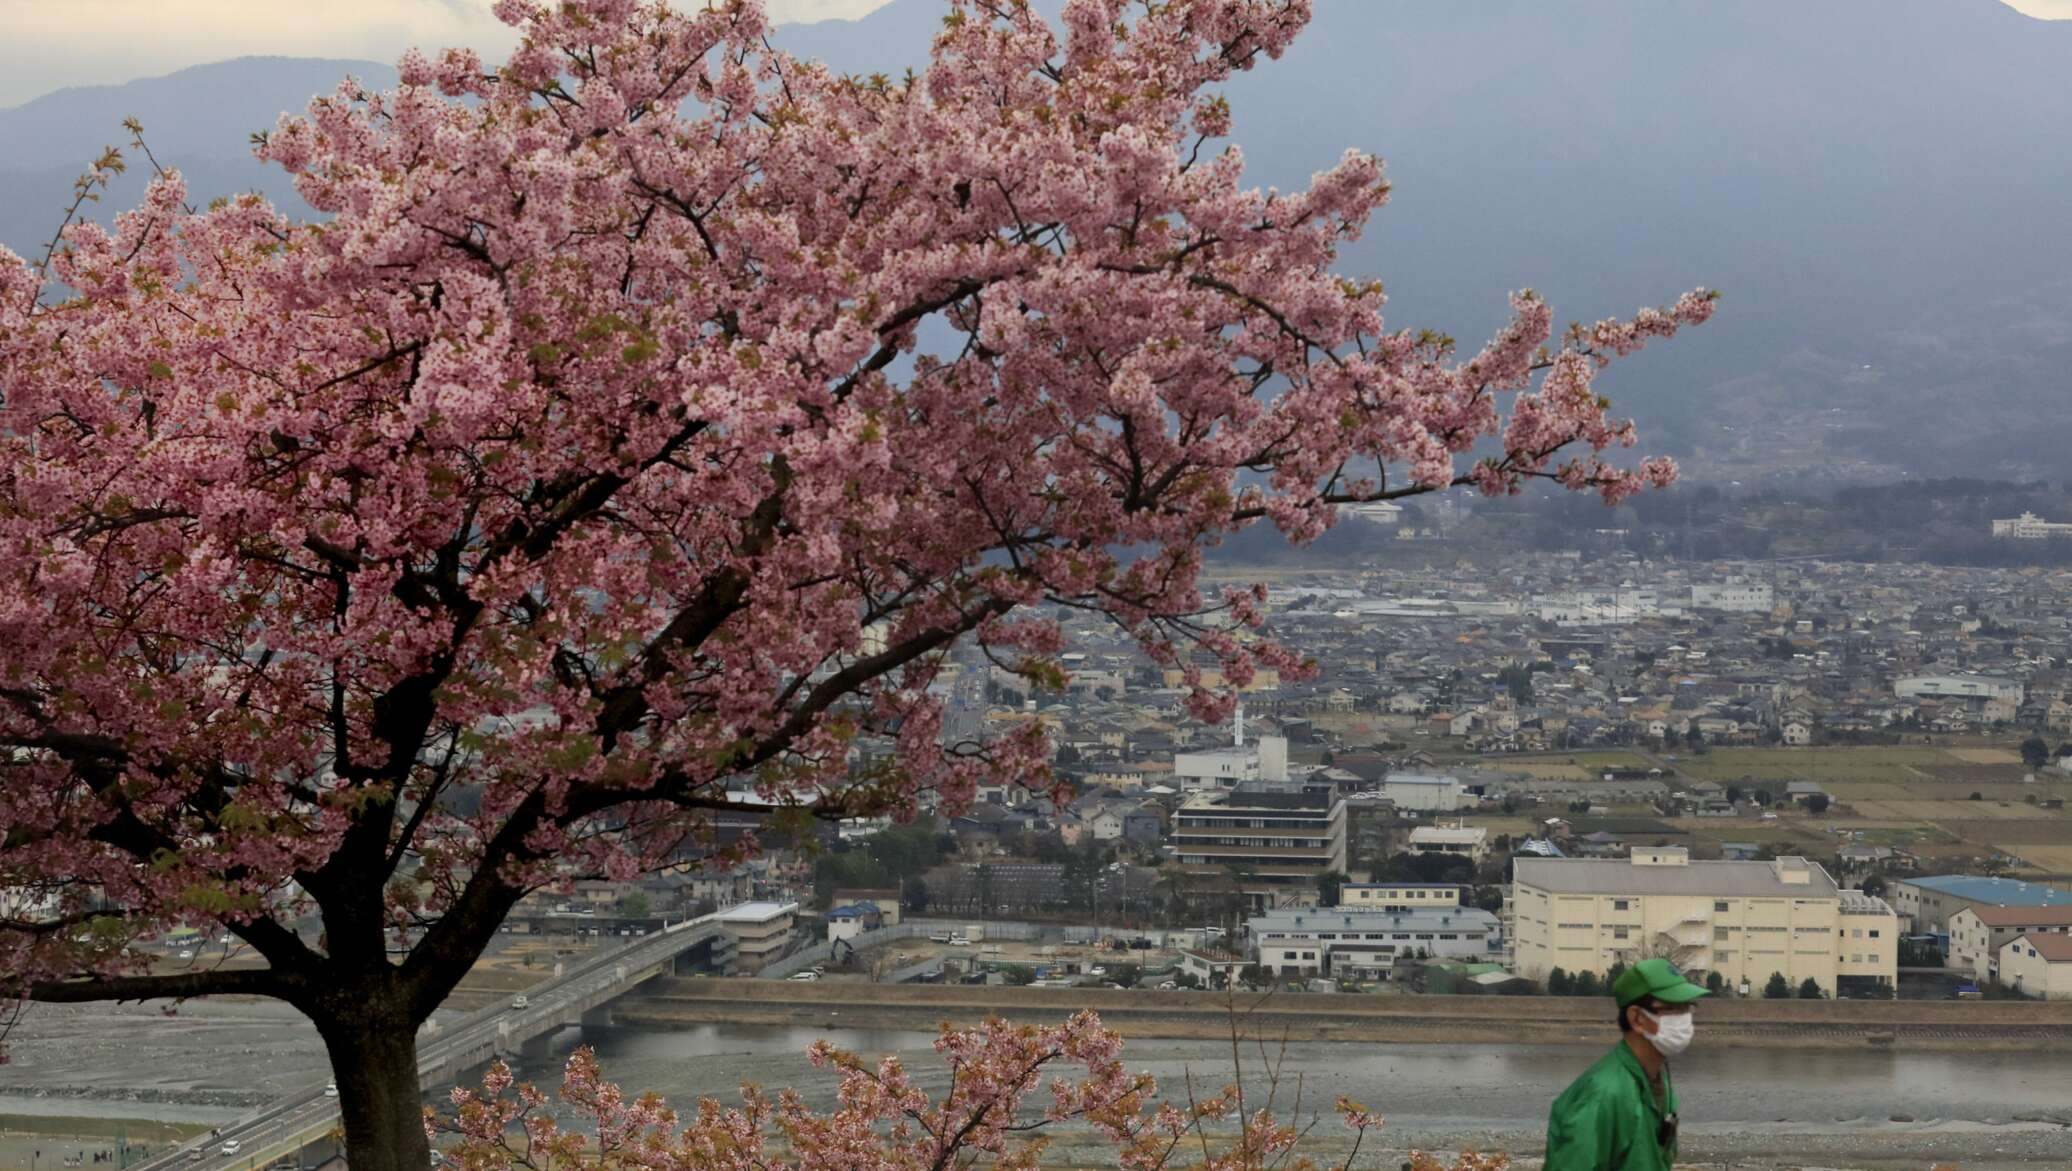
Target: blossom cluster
[
  {"x": 655, "y": 413},
  {"x": 1011, "y": 1088}
]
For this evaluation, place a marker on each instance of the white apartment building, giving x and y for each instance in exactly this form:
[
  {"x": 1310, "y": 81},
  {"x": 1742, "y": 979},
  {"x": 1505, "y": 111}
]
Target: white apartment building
[
  {"x": 2030, "y": 527},
  {"x": 1345, "y": 943},
  {"x": 1266, "y": 759},
  {"x": 1735, "y": 595},
  {"x": 1744, "y": 920}
]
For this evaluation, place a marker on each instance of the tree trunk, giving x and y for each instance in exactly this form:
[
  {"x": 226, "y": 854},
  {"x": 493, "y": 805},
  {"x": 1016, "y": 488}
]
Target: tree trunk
[{"x": 374, "y": 1057}]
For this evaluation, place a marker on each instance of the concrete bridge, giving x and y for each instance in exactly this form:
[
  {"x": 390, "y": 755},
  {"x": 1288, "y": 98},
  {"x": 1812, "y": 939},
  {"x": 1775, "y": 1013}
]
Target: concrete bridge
[{"x": 579, "y": 993}]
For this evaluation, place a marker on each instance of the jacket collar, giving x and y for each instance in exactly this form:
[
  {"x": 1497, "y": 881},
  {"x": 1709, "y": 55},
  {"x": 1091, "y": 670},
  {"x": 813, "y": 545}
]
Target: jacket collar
[{"x": 1623, "y": 1053}]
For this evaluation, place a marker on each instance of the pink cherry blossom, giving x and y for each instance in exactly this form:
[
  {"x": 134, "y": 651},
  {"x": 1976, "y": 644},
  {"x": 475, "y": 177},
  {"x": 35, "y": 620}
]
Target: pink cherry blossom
[
  {"x": 589, "y": 456},
  {"x": 1010, "y": 1089}
]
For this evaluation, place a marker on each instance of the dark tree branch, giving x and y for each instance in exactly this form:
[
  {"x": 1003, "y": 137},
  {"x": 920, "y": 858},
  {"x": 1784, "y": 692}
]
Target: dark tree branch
[{"x": 174, "y": 986}]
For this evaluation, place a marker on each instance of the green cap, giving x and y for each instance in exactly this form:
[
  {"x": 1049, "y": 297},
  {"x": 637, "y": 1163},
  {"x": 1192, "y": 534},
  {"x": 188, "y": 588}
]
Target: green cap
[{"x": 1657, "y": 978}]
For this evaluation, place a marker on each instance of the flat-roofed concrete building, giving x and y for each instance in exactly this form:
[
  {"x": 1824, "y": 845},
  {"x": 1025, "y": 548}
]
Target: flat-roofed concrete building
[
  {"x": 761, "y": 932},
  {"x": 1465, "y": 841},
  {"x": 1365, "y": 944},
  {"x": 1422, "y": 792},
  {"x": 1277, "y": 838},
  {"x": 1744, "y": 920},
  {"x": 1400, "y": 896}
]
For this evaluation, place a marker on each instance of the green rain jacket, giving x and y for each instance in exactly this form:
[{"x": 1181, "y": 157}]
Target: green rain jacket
[{"x": 1607, "y": 1120}]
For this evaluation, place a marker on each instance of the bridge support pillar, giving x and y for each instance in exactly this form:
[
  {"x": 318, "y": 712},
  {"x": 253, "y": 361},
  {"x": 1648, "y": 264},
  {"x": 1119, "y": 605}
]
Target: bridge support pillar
[
  {"x": 598, "y": 1018},
  {"x": 536, "y": 1049}
]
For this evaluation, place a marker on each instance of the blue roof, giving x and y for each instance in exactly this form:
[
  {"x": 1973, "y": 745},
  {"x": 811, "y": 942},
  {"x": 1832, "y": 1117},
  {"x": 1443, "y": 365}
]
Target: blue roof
[{"x": 2002, "y": 892}]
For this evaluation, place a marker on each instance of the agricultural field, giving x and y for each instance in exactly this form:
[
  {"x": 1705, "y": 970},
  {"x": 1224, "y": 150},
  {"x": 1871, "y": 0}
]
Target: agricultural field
[
  {"x": 1516, "y": 827},
  {"x": 1610, "y": 759},
  {"x": 1567, "y": 766},
  {"x": 1833, "y": 764},
  {"x": 2049, "y": 859},
  {"x": 1914, "y": 797},
  {"x": 1937, "y": 812},
  {"x": 1778, "y": 833},
  {"x": 1549, "y": 770},
  {"x": 1985, "y": 755}
]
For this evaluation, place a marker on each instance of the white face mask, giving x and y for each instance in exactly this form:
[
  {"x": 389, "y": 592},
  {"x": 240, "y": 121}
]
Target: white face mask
[{"x": 1672, "y": 1033}]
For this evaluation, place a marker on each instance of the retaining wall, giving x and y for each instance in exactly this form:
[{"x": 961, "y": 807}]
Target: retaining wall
[{"x": 1325, "y": 1016}]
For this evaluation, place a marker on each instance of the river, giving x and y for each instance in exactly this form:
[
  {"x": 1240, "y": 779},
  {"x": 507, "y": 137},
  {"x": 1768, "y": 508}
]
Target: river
[
  {"x": 216, "y": 1059},
  {"x": 1737, "y": 1103},
  {"x": 1472, "y": 1084}
]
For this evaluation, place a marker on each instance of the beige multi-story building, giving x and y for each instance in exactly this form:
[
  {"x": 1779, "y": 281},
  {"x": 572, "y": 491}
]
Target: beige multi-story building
[
  {"x": 761, "y": 933},
  {"x": 1400, "y": 896},
  {"x": 1744, "y": 920},
  {"x": 1977, "y": 933},
  {"x": 1276, "y": 839}
]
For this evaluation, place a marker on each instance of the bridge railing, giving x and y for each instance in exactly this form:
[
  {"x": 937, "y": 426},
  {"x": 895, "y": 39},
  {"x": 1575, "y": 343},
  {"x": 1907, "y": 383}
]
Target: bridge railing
[
  {"x": 437, "y": 1047},
  {"x": 990, "y": 930}
]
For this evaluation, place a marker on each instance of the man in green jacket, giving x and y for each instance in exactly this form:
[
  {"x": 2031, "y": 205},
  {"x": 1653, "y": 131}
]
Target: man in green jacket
[{"x": 1621, "y": 1114}]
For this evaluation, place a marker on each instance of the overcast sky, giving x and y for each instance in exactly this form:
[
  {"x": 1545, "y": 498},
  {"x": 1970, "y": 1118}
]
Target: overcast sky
[{"x": 49, "y": 44}]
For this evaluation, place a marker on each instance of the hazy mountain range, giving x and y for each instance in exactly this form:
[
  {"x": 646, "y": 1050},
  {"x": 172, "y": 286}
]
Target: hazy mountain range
[{"x": 1879, "y": 186}]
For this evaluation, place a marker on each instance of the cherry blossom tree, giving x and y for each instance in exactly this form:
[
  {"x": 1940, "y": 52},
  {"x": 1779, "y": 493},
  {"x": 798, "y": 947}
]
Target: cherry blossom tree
[
  {"x": 645, "y": 422},
  {"x": 884, "y": 1121}
]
